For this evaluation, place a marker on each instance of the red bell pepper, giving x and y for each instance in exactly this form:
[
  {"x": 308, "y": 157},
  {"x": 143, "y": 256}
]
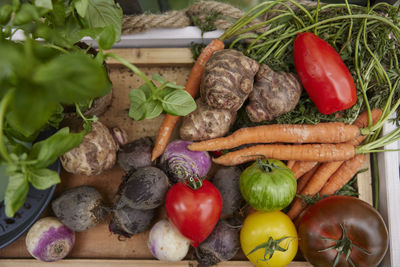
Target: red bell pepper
[{"x": 323, "y": 74}]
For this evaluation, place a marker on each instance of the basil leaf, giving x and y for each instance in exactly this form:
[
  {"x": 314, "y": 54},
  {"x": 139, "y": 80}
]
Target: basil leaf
[
  {"x": 47, "y": 4},
  {"x": 101, "y": 13},
  {"x": 16, "y": 192},
  {"x": 43, "y": 178},
  {"x": 73, "y": 77},
  {"x": 3, "y": 181},
  {"x": 137, "y": 98},
  {"x": 157, "y": 77},
  {"x": 48, "y": 150},
  {"x": 5, "y": 14},
  {"x": 81, "y": 7},
  {"x": 29, "y": 123},
  {"x": 152, "y": 109},
  {"x": 27, "y": 13},
  {"x": 107, "y": 37},
  {"x": 164, "y": 92},
  {"x": 179, "y": 103}
]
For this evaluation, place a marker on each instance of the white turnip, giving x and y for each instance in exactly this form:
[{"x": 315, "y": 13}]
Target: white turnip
[
  {"x": 49, "y": 240},
  {"x": 80, "y": 208},
  {"x": 166, "y": 243}
]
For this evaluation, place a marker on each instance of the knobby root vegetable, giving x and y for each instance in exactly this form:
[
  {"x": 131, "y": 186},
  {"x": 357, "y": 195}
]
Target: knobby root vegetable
[
  {"x": 226, "y": 180},
  {"x": 143, "y": 189},
  {"x": 127, "y": 221},
  {"x": 307, "y": 152},
  {"x": 49, "y": 240},
  {"x": 192, "y": 87},
  {"x": 181, "y": 163},
  {"x": 80, "y": 208},
  {"x": 206, "y": 122},
  {"x": 221, "y": 245},
  {"x": 136, "y": 154},
  {"x": 274, "y": 94},
  {"x": 228, "y": 79},
  {"x": 331, "y": 132},
  {"x": 166, "y": 243},
  {"x": 96, "y": 153}
]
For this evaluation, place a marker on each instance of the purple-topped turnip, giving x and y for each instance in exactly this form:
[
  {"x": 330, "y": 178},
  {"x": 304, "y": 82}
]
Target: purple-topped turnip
[
  {"x": 166, "y": 243},
  {"x": 96, "y": 153},
  {"x": 180, "y": 163},
  {"x": 49, "y": 240},
  {"x": 80, "y": 208}
]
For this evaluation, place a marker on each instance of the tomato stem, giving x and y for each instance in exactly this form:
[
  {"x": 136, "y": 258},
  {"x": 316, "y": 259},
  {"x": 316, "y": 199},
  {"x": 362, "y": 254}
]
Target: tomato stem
[
  {"x": 343, "y": 246},
  {"x": 270, "y": 247},
  {"x": 194, "y": 183}
]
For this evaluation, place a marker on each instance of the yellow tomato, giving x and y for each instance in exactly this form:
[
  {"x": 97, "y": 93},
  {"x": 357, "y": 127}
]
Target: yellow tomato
[{"x": 260, "y": 230}]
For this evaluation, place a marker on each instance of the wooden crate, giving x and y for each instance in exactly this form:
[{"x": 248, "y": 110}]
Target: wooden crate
[{"x": 97, "y": 246}]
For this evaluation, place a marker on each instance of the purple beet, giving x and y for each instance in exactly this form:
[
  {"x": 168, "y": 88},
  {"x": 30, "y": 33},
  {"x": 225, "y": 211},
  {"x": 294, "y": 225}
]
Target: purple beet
[{"x": 49, "y": 240}]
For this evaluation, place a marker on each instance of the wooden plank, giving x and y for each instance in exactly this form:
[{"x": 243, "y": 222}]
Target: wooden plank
[
  {"x": 364, "y": 183},
  {"x": 154, "y": 56},
  {"x": 127, "y": 263}
]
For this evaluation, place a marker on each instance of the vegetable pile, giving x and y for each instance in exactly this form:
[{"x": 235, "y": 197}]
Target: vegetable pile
[{"x": 280, "y": 153}]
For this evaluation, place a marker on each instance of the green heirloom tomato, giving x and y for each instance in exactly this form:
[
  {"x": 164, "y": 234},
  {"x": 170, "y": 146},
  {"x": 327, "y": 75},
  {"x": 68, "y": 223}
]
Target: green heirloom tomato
[{"x": 268, "y": 185}]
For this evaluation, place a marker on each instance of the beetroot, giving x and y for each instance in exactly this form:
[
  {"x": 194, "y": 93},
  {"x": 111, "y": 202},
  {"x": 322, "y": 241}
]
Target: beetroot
[{"x": 136, "y": 154}]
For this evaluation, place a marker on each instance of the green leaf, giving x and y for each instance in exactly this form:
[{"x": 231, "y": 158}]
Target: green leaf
[
  {"x": 152, "y": 109},
  {"x": 41, "y": 108},
  {"x": 81, "y": 7},
  {"x": 107, "y": 37},
  {"x": 179, "y": 103},
  {"x": 137, "y": 99},
  {"x": 17, "y": 190},
  {"x": 48, "y": 150},
  {"x": 3, "y": 181},
  {"x": 27, "y": 13},
  {"x": 157, "y": 77},
  {"x": 47, "y": 4},
  {"x": 102, "y": 13},
  {"x": 43, "y": 178},
  {"x": 5, "y": 14},
  {"x": 73, "y": 77}
]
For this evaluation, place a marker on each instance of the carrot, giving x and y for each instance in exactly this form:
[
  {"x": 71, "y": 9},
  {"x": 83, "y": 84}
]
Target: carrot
[
  {"x": 192, "y": 87},
  {"x": 326, "y": 170},
  {"x": 303, "y": 180},
  {"x": 290, "y": 163},
  {"x": 307, "y": 152},
  {"x": 329, "y": 132},
  {"x": 346, "y": 171},
  {"x": 301, "y": 167},
  {"x": 323, "y": 173}
]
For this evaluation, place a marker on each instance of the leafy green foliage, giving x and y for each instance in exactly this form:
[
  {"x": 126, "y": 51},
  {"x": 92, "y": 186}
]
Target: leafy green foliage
[
  {"x": 148, "y": 101},
  {"x": 38, "y": 78}
]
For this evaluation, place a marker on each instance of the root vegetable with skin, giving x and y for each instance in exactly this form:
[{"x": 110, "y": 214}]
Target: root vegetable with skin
[
  {"x": 80, "y": 208},
  {"x": 330, "y": 132},
  {"x": 96, "y": 153},
  {"x": 143, "y": 189},
  {"x": 127, "y": 221},
  {"x": 228, "y": 79},
  {"x": 136, "y": 154},
  {"x": 226, "y": 180},
  {"x": 274, "y": 94},
  {"x": 206, "y": 123},
  {"x": 192, "y": 87},
  {"x": 166, "y": 243},
  {"x": 49, "y": 240}
]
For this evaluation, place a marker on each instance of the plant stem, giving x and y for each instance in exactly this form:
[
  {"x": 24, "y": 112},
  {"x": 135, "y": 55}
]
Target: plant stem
[{"x": 3, "y": 108}]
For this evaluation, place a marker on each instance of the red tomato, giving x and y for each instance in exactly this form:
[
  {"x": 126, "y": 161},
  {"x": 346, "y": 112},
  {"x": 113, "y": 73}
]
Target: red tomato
[
  {"x": 338, "y": 226},
  {"x": 323, "y": 74},
  {"x": 194, "y": 212}
]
